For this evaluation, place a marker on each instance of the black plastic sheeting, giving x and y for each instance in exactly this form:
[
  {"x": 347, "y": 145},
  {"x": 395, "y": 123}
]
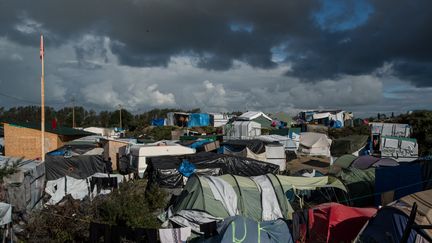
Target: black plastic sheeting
[
  {"x": 78, "y": 167},
  {"x": 257, "y": 146},
  {"x": 163, "y": 170}
]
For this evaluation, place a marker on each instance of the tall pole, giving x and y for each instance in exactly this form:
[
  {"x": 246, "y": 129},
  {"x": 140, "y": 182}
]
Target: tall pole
[
  {"x": 42, "y": 100},
  {"x": 120, "y": 107},
  {"x": 73, "y": 112}
]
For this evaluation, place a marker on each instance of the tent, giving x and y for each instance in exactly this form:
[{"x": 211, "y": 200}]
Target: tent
[
  {"x": 345, "y": 161},
  {"x": 163, "y": 170},
  {"x": 333, "y": 222},
  {"x": 364, "y": 162},
  {"x": 314, "y": 144},
  {"x": 348, "y": 145},
  {"x": 390, "y": 222},
  {"x": 360, "y": 185},
  {"x": 242, "y": 229},
  {"x": 260, "y": 198}
]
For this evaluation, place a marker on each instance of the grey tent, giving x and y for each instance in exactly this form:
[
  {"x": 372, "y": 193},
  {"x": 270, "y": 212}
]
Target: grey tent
[{"x": 241, "y": 229}]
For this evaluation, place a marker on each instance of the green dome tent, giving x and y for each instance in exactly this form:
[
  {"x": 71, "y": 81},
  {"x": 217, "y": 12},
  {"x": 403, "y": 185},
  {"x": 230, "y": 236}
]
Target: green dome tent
[
  {"x": 345, "y": 161},
  {"x": 259, "y": 198}
]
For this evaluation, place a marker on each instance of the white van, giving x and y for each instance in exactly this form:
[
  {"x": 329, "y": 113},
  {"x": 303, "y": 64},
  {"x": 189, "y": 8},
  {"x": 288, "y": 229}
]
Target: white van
[{"x": 139, "y": 154}]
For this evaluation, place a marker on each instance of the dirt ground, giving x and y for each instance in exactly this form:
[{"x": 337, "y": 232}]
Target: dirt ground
[{"x": 318, "y": 163}]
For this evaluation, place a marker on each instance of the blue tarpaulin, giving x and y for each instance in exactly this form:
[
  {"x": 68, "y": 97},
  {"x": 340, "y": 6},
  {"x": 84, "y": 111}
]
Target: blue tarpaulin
[
  {"x": 200, "y": 143},
  {"x": 158, "y": 122},
  {"x": 187, "y": 168},
  {"x": 199, "y": 120},
  {"x": 403, "y": 180}
]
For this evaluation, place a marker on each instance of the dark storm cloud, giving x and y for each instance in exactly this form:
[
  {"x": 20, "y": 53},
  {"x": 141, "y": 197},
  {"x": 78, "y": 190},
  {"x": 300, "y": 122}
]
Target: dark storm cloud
[
  {"x": 325, "y": 39},
  {"x": 396, "y": 32}
]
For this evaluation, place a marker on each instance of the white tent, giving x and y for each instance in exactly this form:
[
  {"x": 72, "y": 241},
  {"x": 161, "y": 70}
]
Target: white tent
[
  {"x": 314, "y": 144},
  {"x": 251, "y": 115}
]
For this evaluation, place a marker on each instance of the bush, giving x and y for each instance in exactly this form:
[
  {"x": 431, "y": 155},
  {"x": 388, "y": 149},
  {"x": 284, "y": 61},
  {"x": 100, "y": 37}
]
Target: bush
[{"x": 69, "y": 221}]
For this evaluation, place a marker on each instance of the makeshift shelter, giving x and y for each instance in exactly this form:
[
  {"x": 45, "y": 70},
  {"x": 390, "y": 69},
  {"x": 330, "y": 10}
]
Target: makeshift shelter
[
  {"x": 218, "y": 120},
  {"x": 331, "y": 222},
  {"x": 98, "y": 183},
  {"x": 399, "y": 148},
  {"x": 353, "y": 144},
  {"x": 242, "y": 229},
  {"x": 24, "y": 188},
  {"x": 164, "y": 170},
  {"x": 314, "y": 144},
  {"x": 390, "y": 129},
  {"x": 282, "y": 116},
  {"x": 393, "y": 221},
  {"x": 139, "y": 154},
  {"x": 242, "y": 130},
  {"x": 78, "y": 161},
  {"x": 260, "y": 198},
  {"x": 288, "y": 143},
  {"x": 199, "y": 120}
]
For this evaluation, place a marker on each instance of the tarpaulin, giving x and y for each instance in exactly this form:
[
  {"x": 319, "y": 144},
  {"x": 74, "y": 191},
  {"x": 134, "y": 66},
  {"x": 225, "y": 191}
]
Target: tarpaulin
[
  {"x": 255, "y": 145},
  {"x": 5, "y": 213},
  {"x": 199, "y": 120},
  {"x": 158, "y": 122},
  {"x": 404, "y": 179},
  {"x": 163, "y": 170},
  {"x": 78, "y": 167}
]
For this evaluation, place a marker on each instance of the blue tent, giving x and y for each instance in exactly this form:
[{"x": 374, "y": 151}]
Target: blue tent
[{"x": 199, "y": 120}]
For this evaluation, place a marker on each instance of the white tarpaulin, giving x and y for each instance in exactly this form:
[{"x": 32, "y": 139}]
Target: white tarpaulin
[
  {"x": 5, "y": 213},
  {"x": 270, "y": 206},
  {"x": 223, "y": 192},
  {"x": 323, "y": 115},
  {"x": 77, "y": 188}
]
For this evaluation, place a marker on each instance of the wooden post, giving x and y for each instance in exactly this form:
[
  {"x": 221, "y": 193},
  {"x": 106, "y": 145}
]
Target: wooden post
[
  {"x": 120, "y": 107},
  {"x": 42, "y": 100},
  {"x": 73, "y": 112}
]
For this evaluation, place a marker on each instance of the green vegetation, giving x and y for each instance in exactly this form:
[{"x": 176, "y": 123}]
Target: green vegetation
[{"x": 69, "y": 221}]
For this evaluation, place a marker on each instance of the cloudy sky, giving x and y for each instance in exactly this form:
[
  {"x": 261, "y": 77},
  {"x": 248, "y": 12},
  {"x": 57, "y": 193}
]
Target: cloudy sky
[{"x": 366, "y": 56}]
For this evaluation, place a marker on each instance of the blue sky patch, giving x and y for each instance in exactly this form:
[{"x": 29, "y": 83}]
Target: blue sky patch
[{"x": 342, "y": 15}]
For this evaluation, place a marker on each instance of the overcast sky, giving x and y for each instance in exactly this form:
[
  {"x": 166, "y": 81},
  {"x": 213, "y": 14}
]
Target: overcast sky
[{"x": 366, "y": 56}]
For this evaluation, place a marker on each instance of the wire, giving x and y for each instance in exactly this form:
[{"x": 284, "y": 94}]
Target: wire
[{"x": 30, "y": 101}]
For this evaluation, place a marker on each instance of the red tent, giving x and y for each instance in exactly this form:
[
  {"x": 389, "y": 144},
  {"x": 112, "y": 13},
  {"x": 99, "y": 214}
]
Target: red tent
[{"x": 333, "y": 222}]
